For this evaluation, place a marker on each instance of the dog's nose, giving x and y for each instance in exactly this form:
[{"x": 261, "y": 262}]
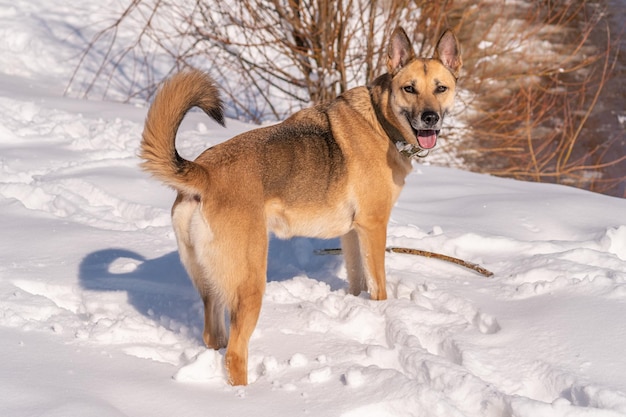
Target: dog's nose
[{"x": 430, "y": 118}]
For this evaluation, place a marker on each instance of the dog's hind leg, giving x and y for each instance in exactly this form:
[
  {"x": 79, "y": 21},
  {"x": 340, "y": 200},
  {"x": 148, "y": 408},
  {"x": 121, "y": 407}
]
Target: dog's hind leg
[
  {"x": 243, "y": 318},
  {"x": 193, "y": 236},
  {"x": 245, "y": 265},
  {"x": 214, "y": 334}
]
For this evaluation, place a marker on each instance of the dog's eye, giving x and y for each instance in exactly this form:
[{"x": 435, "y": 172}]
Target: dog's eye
[
  {"x": 409, "y": 89},
  {"x": 441, "y": 89}
]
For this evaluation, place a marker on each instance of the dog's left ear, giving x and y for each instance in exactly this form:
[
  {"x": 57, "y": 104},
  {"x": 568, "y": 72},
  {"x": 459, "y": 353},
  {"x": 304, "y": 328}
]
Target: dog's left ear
[
  {"x": 400, "y": 51},
  {"x": 448, "y": 51}
]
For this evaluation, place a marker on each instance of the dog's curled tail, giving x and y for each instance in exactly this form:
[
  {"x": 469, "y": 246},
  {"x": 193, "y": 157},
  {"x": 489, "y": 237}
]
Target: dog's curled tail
[{"x": 175, "y": 97}]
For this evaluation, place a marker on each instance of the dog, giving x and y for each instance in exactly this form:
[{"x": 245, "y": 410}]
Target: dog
[{"x": 333, "y": 170}]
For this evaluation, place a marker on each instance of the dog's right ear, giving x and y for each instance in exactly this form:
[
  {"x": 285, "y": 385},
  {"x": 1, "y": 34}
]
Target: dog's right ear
[{"x": 400, "y": 51}]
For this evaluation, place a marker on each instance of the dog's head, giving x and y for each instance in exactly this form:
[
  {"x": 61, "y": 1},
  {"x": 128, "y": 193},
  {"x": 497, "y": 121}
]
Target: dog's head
[{"x": 422, "y": 90}]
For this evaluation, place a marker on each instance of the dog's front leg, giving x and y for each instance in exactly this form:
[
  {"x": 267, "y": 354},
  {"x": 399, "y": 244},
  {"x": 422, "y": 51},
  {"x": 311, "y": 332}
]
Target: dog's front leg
[
  {"x": 372, "y": 243},
  {"x": 354, "y": 264}
]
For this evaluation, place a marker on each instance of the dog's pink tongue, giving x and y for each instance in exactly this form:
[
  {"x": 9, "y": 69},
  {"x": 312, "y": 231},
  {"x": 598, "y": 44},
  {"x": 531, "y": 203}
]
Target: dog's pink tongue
[{"x": 427, "y": 139}]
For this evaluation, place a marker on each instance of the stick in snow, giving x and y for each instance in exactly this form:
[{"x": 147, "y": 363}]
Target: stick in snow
[{"x": 477, "y": 268}]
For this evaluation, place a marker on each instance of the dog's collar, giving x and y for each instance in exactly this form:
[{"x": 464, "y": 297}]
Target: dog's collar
[
  {"x": 411, "y": 151},
  {"x": 404, "y": 148}
]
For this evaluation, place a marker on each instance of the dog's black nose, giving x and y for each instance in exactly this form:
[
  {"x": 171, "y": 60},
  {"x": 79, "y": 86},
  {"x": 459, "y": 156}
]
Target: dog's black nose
[{"x": 430, "y": 118}]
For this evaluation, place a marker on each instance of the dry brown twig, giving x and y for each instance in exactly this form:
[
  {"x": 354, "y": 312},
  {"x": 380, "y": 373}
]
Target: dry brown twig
[{"x": 418, "y": 252}]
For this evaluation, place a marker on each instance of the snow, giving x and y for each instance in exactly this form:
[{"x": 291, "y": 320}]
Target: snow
[{"x": 97, "y": 316}]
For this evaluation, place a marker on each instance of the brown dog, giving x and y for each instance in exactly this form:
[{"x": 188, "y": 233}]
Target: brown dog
[{"x": 332, "y": 170}]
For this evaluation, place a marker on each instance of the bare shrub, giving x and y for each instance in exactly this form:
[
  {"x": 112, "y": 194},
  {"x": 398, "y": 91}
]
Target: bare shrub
[
  {"x": 536, "y": 80},
  {"x": 272, "y": 57},
  {"x": 531, "y": 82}
]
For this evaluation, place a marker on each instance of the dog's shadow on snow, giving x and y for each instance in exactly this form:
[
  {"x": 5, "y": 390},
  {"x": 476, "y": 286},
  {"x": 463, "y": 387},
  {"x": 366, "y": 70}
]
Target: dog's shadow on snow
[{"x": 160, "y": 288}]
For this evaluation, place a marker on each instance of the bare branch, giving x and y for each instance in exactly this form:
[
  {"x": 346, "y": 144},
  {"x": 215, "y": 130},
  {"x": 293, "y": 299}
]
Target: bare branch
[{"x": 418, "y": 252}]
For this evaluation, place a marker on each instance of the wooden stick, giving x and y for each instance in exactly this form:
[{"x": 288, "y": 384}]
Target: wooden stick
[{"x": 408, "y": 251}]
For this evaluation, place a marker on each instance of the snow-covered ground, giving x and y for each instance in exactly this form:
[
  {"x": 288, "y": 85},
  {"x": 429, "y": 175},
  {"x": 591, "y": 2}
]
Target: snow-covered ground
[{"x": 97, "y": 317}]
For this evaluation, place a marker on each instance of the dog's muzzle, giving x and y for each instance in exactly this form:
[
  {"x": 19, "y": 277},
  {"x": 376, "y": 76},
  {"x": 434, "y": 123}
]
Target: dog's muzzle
[{"x": 425, "y": 128}]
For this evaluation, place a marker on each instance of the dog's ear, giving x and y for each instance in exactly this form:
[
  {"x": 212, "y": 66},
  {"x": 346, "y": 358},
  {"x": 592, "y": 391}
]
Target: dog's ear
[
  {"x": 400, "y": 51},
  {"x": 448, "y": 51}
]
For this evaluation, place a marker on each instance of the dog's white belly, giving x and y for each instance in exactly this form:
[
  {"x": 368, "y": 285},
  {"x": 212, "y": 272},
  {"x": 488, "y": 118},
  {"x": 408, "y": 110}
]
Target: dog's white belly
[{"x": 324, "y": 223}]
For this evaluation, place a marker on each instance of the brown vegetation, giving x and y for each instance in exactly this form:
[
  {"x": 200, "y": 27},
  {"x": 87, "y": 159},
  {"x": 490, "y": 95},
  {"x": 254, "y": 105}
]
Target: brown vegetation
[
  {"x": 536, "y": 83},
  {"x": 532, "y": 76}
]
